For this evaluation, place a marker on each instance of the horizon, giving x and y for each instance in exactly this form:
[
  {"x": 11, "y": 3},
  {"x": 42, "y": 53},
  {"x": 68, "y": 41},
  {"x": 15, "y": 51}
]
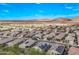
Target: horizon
[{"x": 30, "y": 11}]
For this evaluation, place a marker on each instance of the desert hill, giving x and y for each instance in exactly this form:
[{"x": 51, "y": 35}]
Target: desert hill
[
  {"x": 57, "y": 20},
  {"x": 75, "y": 18},
  {"x": 60, "y": 19}
]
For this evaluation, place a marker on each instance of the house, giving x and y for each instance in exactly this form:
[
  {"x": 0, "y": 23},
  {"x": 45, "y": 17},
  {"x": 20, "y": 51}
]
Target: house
[
  {"x": 60, "y": 49},
  {"x": 5, "y": 40},
  {"x": 55, "y": 30},
  {"x": 21, "y": 35},
  {"x": 35, "y": 38},
  {"x": 45, "y": 37},
  {"x": 6, "y": 34},
  {"x": 16, "y": 41},
  {"x": 1, "y": 34},
  {"x": 48, "y": 36},
  {"x": 78, "y": 39},
  {"x": 67, "y": 38},
  {"x": 73, "y": 51},
  {"x": 28, "y": 43},
  {"x": 31, "y": 34},
  {"x": 77, "y": 33},
  {"x": 56, "y": 49},
  {"x": 71, "y": 34},
  {"x": 70, "y": 40},
  {"x": 42, "y": 46},
  {"x": 14, "y": 34},
  {"x": 38, "y": 32},
  {"x": 67, "y": 30},
  {"x": 60, "y": 37},
  {"x": 51, "y": 36},
  {"x": 38, "y": 35}
]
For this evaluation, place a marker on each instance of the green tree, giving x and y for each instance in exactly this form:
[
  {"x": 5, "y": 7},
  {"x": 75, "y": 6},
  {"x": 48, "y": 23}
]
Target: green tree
[
  {"x": 32, "y": 51},
  {"x": 13, "y": 50}
]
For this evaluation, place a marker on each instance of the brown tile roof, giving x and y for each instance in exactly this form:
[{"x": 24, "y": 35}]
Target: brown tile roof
[{"x": 73, "y": 51}]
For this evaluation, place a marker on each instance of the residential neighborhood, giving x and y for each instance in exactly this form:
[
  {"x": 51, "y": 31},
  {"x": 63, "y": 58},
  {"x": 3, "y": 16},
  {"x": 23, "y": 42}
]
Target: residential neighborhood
[{"x": 52, "y": 40}]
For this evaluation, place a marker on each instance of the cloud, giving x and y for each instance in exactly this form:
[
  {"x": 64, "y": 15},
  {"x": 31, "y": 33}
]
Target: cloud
[
  {"x": 37, "y": 3},
  {"x": 68, "y": 7}
]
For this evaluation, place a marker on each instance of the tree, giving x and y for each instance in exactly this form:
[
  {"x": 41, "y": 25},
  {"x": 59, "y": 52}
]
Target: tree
[
  {"x": 33, "y": 51},
  {"x": 13, "y": 50}
]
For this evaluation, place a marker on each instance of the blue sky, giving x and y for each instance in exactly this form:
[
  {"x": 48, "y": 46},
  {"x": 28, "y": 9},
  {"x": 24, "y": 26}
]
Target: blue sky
[{"x": 24, "y": 11}]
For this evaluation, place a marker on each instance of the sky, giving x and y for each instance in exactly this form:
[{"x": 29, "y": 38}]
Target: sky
[{"x": 27, "y": 11}]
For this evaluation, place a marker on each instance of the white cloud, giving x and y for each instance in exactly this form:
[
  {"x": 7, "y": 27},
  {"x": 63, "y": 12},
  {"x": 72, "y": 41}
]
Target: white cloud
[
  {"x": 74, "y": 9},
  {"x": 37, "y": 3},
  {"x": 68, "y": 7}
]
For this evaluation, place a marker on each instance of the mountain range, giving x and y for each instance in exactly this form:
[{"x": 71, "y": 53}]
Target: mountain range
[{"x": 58, "y": 20}]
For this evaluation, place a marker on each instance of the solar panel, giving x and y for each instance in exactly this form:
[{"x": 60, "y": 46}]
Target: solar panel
[
  {"x": 60, "y": 49},
  {"x": 44, "y": 46}
]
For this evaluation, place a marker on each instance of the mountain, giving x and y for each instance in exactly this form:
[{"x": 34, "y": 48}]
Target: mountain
[
  {"x": 75, "y": 18},
  {"x": 60, "y": 19}
]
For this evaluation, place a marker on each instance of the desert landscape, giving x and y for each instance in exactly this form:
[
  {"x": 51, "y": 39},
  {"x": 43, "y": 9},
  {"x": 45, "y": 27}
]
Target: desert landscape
[
  {"x": 39, "y": 29},
  {"x": 59, "y": 36}
]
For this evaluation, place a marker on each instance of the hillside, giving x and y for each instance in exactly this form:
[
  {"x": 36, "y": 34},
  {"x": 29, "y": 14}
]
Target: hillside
[
  {"x": 57, "y": 20},
  {"x": 75, "y": 18}
]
